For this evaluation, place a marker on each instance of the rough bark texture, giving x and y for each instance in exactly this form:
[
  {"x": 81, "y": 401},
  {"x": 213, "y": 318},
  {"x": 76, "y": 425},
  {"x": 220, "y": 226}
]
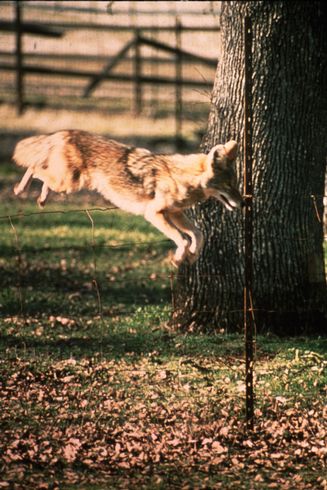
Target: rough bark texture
[{"x": 289, "y": 147}]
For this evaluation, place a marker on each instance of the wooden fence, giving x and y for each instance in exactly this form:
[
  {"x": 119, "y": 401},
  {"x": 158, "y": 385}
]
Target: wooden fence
[{"x": 20, "y": 65}]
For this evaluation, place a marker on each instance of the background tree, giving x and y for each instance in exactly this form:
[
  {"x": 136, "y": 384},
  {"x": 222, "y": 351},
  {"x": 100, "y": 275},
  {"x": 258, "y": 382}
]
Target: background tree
[{"x": 289, "y": 148}]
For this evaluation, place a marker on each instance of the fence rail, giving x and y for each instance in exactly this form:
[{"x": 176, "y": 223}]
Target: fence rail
[
  {"x": 58, "y": 29},
  {"x": 111, "y": 9},
  {"x": 39, "y": 70}
]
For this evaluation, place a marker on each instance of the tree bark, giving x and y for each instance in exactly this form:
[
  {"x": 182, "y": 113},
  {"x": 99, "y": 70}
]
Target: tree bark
[{"x": 289, "y": 164}]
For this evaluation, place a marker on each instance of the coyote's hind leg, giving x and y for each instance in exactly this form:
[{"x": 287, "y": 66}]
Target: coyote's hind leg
[
  {"x": 159, "y": 220},
  {"x": 42, "y": 199},
  {"x": 24, "y": 183}
]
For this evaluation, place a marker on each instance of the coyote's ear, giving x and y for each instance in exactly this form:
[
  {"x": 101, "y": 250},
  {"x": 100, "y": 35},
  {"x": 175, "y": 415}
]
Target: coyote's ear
[
  {"x": 213, "y": 153},
  {"x": 209, "y": 164},
  {"x": 231, "y": 148}
]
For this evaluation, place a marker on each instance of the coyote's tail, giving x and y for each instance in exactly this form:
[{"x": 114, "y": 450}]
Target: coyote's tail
[{"x": 32, "y": 152}]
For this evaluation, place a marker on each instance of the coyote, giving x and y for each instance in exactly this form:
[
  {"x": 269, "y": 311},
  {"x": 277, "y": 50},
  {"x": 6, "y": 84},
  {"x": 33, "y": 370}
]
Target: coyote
[{"x": 158, "y": 186}]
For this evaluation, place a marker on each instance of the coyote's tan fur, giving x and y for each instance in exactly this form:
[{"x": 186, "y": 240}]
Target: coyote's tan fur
[{"x": 159, "y": 187}]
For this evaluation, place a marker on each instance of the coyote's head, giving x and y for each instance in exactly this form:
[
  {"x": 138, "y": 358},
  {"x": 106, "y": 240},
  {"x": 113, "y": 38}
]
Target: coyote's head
[{"x": 221, "y": 177}]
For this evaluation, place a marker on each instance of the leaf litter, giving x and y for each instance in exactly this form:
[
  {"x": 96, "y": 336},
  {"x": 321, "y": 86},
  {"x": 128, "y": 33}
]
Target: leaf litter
[{"x": 147, "y": 422}]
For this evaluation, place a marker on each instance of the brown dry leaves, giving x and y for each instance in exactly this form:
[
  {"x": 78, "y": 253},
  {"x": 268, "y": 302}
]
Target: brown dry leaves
[{"x": 86, "y": 421}]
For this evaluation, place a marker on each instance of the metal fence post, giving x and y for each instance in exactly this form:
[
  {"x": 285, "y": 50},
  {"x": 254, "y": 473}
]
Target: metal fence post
[{"x": 248, "y": 231}]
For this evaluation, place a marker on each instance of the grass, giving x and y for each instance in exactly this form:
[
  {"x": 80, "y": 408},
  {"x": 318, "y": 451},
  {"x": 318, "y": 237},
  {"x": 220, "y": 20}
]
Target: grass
[{"x": 98, "y": 393}]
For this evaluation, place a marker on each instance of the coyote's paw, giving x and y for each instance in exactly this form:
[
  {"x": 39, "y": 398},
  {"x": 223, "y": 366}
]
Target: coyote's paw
[
  {"x": 195, "y": 248},
  {"x": 40, "y": 202},
  {"x": 17, "y": 190},
  {"x": 180, "y": 254}
]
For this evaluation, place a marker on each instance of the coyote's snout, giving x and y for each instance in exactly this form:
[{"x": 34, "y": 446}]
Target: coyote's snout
[{"x": 160, "y": 187}]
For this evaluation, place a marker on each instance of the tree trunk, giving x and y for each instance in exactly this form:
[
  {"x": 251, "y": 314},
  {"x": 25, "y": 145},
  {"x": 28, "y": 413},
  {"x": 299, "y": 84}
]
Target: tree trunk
[{"x": 289, "y": 163}]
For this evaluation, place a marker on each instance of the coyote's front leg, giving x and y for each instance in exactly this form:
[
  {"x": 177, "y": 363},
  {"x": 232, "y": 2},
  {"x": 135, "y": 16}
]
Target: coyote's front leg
[
  {"x": 159, "y": 220},
  {"x": 183, "y": 224}
]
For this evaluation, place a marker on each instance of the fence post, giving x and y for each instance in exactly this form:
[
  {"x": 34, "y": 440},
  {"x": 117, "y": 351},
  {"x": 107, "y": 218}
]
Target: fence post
[
  {"x": 19, "y": 60},
  {"x": 178, "y": 85},
  {"x": 248, "y": 231},
  {"x": 137, "y": 74}
]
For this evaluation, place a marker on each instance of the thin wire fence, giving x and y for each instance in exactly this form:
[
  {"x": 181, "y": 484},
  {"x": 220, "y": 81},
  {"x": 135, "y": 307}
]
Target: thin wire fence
[{"x": 170, "y": 276}]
